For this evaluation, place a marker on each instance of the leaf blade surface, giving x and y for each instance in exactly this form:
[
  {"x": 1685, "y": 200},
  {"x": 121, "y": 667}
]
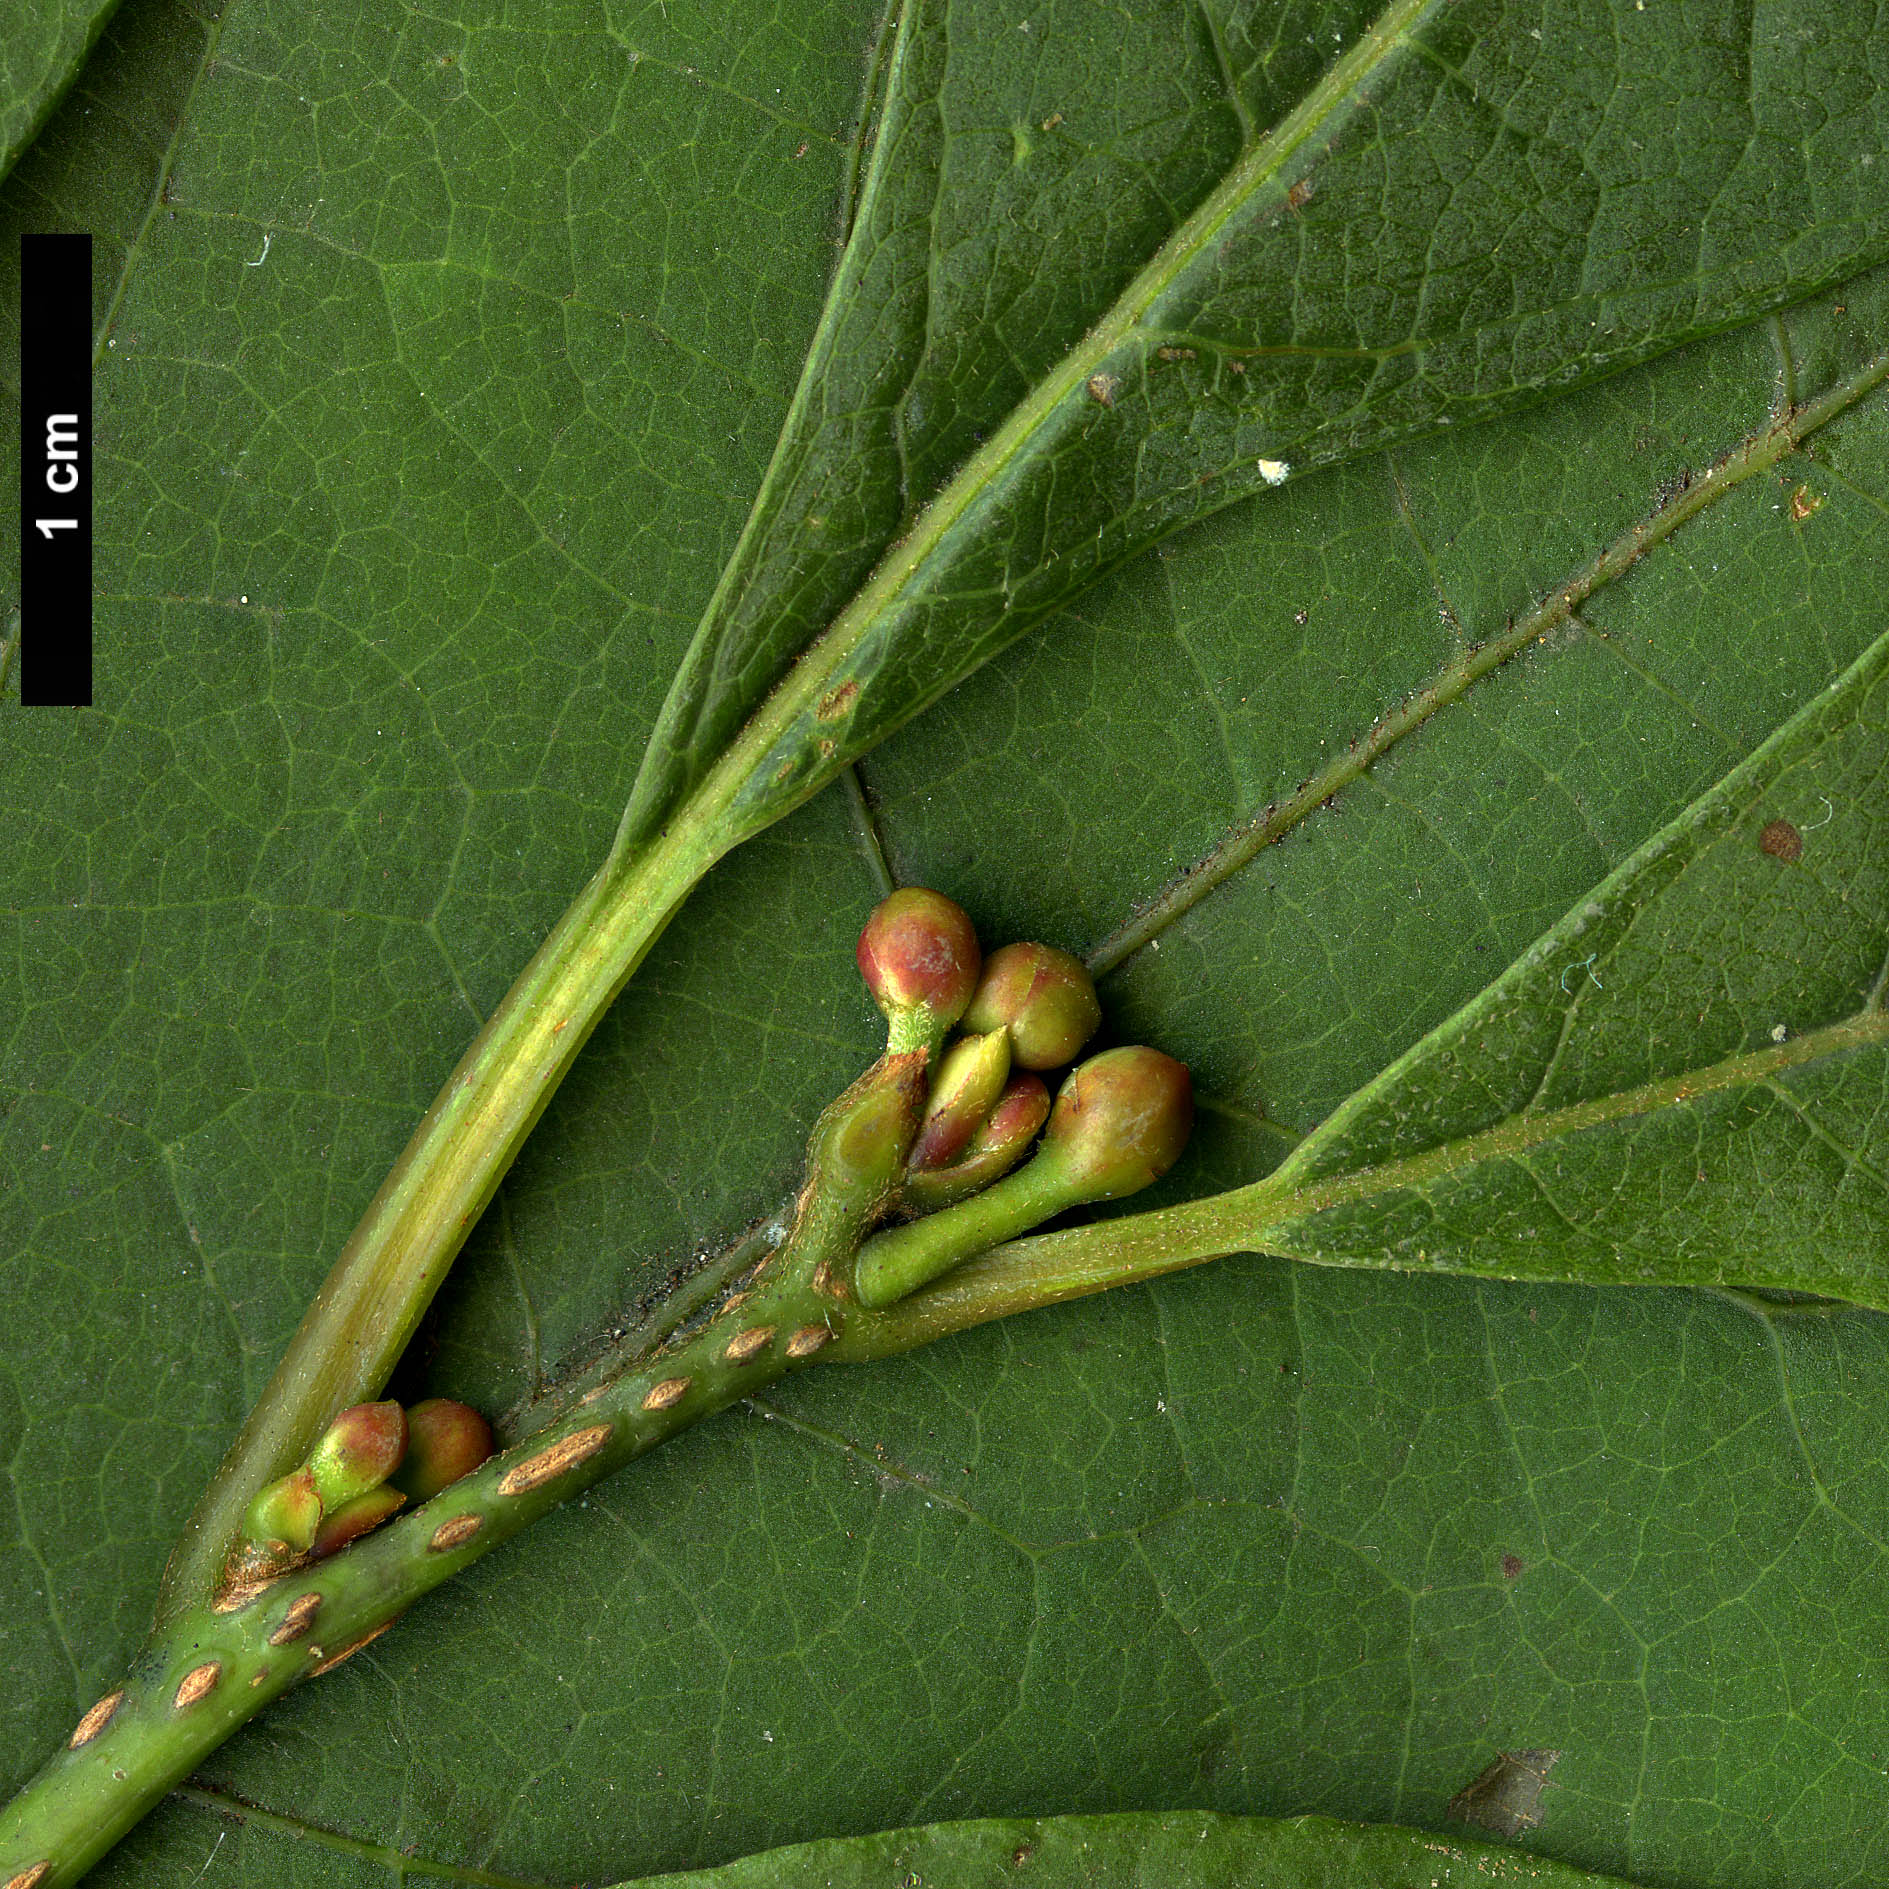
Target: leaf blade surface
[
  {"x": 1677, "y": 1132},
  {"x": 1280, "y": 325},
  {"x": 41, "y": 52},
  {"x": 1178, "y": 1850},
  {"x": 1242, "y": 1539}
]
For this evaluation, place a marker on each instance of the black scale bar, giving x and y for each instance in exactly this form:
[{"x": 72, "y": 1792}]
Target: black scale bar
[{"x": 55, "y": 471}]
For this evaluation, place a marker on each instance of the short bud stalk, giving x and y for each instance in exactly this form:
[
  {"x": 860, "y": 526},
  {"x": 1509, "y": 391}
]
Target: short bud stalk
[
  {"x": 1119, "y": 1124},
  {"x": 284, "y": 1517}
]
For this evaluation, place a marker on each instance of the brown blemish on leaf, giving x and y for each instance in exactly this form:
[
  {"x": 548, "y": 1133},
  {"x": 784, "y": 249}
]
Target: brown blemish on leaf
[
  {"x": 556, "y": 1460},
  {"x": 808, "y": 1339},
  {"x": 1512, "y": 1567},
  {"x": 1782, "y": 841},
  {"x": 1052, "y": 121},
  {"x": 1299, "y": 195},
  {"x": 671, "y": 1390},
  {"x": 1103, "y": 388},
  {"x": 1236, "y": 367},
  {"x": 1803, "y": 503},
  {"x": 455, "y": 1532},
  {"x": 1506, "y": 1796},
  {"x": 95, "y": 1720},
  {"x": 1175, "y": 354},
  {"x": 297, "y": 1621},
  {"x": 749, "y": 1344},
  {"x": 31, "y": 1878},
  {"x": 348, "y": 1652},
  {"x": 197, "y": 1684},
  {"x": 833, "y": 706},
  {"x": 1022, "y": 1854}
]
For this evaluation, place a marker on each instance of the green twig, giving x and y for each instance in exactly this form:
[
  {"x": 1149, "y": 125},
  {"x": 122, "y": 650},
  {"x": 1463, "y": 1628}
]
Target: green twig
[
  {"x": 387, "y": 1274},
  {"x": 207, "y": 1671}
]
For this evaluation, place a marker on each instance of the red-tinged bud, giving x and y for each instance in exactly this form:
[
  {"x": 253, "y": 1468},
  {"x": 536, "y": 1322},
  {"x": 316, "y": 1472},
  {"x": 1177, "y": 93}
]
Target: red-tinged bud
[
  {"x": 358, "y": 1452},
  {"x": 353, "y": 1519},
  {"x": 919, "y": 956},
  {"x": 1043, "y": 997},
  {"x": 284, "y": 1517},
  {"x": 1120, "y": 1122},
  {"x": 1001, "y": 1141},
  {"x": 970, "y": 1079},
  {"x": 1021, "y": 1110},
  {"x": 445, "y": 1441}
]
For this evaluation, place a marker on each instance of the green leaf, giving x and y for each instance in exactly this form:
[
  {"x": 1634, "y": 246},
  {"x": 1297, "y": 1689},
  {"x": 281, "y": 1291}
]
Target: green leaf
[
  {"x": 1701, "y": 1105},
  {"x": 1725, "y": 1020},
  {"x": 41, "y": 51},
  {"x": 97, "y": 166},
  {"x": 1058, "y": 335},
  {"x": 1258, "y": 1539},
  {"x": 1177, "y": 1851}
]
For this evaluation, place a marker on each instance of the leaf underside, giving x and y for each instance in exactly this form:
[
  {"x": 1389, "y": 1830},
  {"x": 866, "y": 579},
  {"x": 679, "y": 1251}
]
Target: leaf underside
[
  {"x": 1055, "y": 337},
  {"x": 1260, "y": 1538},
  {"x": 42, "y": 50},
  {"x": 1687, "y": 1081},
  {"x": 1180, "y": 1851},
  {"x": 1627, "y": 1103}
]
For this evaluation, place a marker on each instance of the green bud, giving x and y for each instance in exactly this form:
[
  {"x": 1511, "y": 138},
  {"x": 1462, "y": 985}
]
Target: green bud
[
  {"x": 1043, "y": 997},
  {"x": 284, "y": 1517},
  {"x": 358, "y": 1452},
  {"x": 920, "y": 957},
  {"x": 445, "y": 1441},
  {"x": 969, "y": 1081},
  {"x": 858, "y": 1146},
  {"x": 1120, "y": 1123},
  {"x": 353, "y": 1519},
  {"x": 855, "y": 1163},
  {"x": 1002, "y": 1140}
]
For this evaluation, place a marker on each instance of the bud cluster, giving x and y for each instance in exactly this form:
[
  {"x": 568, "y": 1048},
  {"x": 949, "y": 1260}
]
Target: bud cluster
[
  {"x": 371, "y": 1460},
  {"x": 1119, "y": 1122}
]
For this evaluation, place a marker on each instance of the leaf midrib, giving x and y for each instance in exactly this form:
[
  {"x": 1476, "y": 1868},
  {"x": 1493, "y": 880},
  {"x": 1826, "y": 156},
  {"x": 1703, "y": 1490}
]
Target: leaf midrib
[
  {"x": 1534, "y": 1128},
  {"x": 1252, "y": 172},
  {"x": 1243, "y": 842}
]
